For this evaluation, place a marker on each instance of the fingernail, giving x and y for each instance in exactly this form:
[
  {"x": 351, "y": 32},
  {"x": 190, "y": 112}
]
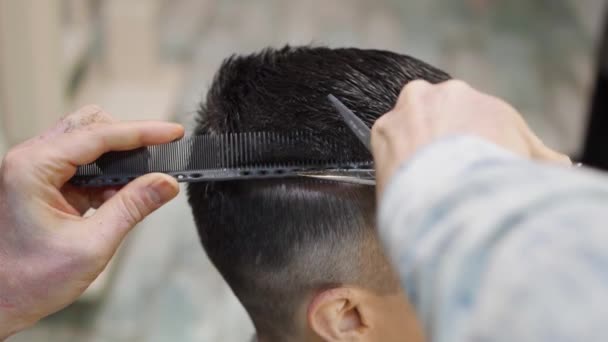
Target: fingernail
[
  {"x": 162, "y": 191},
  {"x": 176, "y": 126}
]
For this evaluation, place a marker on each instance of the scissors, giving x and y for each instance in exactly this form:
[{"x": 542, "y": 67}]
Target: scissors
[{"x": 363, "y": 133}]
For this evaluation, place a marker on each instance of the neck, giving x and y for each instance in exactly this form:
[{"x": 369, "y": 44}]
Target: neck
[{"x": 261, "y": 337}]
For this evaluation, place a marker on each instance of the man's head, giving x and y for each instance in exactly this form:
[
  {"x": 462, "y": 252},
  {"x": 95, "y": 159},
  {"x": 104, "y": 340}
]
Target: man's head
[{"x": 303, "y": 255}]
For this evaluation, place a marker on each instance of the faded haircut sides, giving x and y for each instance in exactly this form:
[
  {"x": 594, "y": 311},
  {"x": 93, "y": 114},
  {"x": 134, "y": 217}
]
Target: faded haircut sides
[{"x": 277, "y": 242}]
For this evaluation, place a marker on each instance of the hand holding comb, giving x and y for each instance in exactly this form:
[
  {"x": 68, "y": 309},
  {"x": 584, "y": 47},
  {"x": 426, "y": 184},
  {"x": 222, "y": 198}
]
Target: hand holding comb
[{"x": 234, "y": 156}]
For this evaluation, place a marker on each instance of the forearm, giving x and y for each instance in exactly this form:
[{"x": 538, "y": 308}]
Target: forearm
[{"x": 467, "y": 225}]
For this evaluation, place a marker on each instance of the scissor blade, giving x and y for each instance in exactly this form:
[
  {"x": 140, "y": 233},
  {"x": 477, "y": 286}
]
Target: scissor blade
[
  {"x": 345, "y": 179},
  {"x": 363, "y": 176},
  {"x": 353, "y": 122}
]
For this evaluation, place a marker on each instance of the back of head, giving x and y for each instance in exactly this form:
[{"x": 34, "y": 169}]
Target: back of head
[{"x": 278, "y": 242}]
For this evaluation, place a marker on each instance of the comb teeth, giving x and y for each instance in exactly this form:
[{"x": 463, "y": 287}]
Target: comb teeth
[{"x": 228, "y": 156}]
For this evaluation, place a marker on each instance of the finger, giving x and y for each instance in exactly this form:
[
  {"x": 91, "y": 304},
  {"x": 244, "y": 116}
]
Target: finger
[
  {"x": 412, "y": 90},
  {"x": 542, "y": 152},
  {"x": 117, "y": 216},
  {"x": 539, "y": 150},
  {"x": 82, "y": 118},
  {"x": 82, "y": 147}
]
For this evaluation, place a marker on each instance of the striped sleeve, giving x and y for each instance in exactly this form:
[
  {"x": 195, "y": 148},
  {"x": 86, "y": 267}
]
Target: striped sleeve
[{"x": 493, "y": 247}]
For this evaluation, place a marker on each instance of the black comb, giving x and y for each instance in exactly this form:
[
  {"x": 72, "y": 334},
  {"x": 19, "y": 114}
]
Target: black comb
[{"x": 231, "y": 156}]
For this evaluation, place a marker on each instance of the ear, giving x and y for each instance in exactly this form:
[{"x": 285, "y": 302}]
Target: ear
[{"x": 335, "y": 315}]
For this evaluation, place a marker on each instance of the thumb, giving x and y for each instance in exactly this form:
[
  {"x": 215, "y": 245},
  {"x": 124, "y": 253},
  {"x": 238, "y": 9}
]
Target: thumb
[{"x": 132, "y": 204}]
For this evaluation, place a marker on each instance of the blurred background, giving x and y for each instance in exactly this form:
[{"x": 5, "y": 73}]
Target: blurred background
[{"x": 154, "y": 59}]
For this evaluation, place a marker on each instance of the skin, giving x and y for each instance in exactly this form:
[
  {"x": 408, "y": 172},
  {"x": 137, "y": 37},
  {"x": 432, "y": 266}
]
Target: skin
[
  {"x": 49, "y": 252},
  {"x": 354, "y": 314},
  {"x": 357, "y": 314}
]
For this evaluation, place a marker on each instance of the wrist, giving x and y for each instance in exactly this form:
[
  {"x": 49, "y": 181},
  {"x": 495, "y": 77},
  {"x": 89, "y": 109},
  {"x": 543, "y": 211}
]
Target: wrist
[{"x": 12, "y": 317}]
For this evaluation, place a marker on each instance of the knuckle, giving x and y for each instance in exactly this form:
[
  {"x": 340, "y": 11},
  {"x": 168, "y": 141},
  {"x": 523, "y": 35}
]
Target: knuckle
[
  {"x": 12, "y": 165},
  {"x": 456, "y": 84},
  {"x": 87, "y": 110},
  {"x": 92, "y": 115},
  {"x": 382, "y": 128},
  {"x": 98, "y": 136},
  {"x": 417, "y": 83},
  {"x": 411, "y": 86},
  {"x": 11, "y": 158},
  {"x": 412, "y": 90},
  {"x": 87, "y": 117},
  {"x": 90, "y": 109},
  {"x": 375, "y": 136},
  {"x": 134, "y": 208},
  {"x": 380, "y": 124},
  {"x": 130, "y": 210}
]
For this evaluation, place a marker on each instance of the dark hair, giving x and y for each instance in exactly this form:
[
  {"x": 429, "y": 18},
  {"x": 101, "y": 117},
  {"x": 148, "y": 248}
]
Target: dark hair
[{"x": 277, "y": 241}]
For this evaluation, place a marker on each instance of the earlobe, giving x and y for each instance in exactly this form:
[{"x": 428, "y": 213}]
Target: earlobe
[{"x": 334, "y": 315}]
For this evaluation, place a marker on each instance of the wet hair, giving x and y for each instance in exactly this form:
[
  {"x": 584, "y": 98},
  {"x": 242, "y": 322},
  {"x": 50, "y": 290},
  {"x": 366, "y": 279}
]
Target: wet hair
[{"x": 277, "y": 242}]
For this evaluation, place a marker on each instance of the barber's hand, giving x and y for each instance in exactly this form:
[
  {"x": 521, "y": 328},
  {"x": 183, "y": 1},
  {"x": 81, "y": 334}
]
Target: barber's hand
[
  {"x": 49, "y": 252},
  {"x": 426, "y": 112}
]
